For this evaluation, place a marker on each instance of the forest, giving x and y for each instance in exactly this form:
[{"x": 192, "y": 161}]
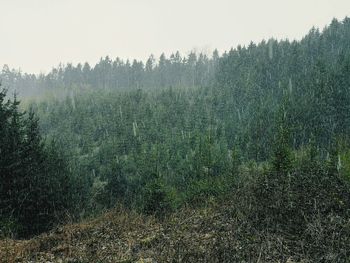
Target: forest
[{"x": 265, "y": 126}]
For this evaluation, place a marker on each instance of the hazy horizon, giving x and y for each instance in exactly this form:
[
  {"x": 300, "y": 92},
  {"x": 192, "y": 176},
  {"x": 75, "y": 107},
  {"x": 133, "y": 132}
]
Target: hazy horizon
[{"x": 37, "y": 35}]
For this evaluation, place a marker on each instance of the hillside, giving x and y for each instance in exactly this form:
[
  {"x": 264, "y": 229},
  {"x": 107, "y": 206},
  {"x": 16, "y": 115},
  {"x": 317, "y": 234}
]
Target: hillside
[
  {"x": 273, "y": 214},
  {"x": 243, "y": 157},
  {"x": 211, "y": 234},
  {"x": 126, "y": 237}
]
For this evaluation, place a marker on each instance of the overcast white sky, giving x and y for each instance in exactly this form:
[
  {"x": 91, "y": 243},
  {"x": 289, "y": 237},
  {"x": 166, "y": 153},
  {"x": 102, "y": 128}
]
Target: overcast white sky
[{"x": 36, "y": 35}]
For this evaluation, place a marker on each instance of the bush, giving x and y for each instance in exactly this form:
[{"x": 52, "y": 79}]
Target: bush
[
  {"x": 9, "y": 227},
  {"x": 157, "y": 199},
  {"x": 201, "y": 190},
  {"x": 310, "y": 188}
]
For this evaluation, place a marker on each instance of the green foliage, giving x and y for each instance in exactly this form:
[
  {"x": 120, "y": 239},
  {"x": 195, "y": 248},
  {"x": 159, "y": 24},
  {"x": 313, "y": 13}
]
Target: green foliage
[
  {"x": 9, "y": 227},
  {"x": 345, "y": 164},
  {"x": 282, "y": 157},
  {"x": 202, "y": 190},
  {"x": 178, "y": 131},
  {"x": 35, "y": 188},
  {"x": 309, "y": 191},
  {"x": 156, "y": 198}
]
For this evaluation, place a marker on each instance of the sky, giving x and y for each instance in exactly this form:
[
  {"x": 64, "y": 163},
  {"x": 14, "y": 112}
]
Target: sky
[{"x": 36, "y": 35}]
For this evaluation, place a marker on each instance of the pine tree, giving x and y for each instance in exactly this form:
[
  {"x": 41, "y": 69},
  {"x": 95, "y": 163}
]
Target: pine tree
[{"x": 34, "y": 186}]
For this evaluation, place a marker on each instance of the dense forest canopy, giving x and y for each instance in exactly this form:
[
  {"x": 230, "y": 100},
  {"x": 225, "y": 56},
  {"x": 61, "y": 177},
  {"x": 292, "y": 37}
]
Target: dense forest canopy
[{"x": 180, "y": 130}]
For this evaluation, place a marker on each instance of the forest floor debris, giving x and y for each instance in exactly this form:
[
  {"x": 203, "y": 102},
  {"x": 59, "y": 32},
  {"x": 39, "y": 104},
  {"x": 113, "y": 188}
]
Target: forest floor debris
[{"x": 208, "y": 234}]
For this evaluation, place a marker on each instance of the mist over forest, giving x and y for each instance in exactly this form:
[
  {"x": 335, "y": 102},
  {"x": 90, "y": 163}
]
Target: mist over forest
[{"x": 242, "y": 156}]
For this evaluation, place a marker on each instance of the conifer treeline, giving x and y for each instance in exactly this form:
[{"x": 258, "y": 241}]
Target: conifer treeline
[
  {"x": 193, "y": 70},
  {"x": 154, "y": 137},
  {"x": 184, "y": 137}
]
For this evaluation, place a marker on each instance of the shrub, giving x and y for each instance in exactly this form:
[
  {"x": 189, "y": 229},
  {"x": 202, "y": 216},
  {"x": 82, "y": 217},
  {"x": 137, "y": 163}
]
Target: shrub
[{"x": 157, "y": 199}]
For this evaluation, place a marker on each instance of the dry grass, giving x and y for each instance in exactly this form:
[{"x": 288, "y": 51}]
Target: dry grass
[
  {"x": 119, "y": 236},
  {"x": 216, "y": 233}
]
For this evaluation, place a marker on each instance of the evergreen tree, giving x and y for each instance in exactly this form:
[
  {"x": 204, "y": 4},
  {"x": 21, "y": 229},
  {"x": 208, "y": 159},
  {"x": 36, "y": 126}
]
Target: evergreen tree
[{"x": 34, "y": 179}]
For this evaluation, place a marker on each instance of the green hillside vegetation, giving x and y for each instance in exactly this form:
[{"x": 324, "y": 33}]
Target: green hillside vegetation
[
  {"x": 36, "y": 187},
  {"x": 265, "y": 128},
  {"x": 268, "y": 217}
]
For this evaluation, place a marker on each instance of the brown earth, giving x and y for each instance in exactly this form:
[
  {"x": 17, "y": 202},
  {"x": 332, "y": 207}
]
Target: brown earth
[{"x": 211, "y": 234}]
